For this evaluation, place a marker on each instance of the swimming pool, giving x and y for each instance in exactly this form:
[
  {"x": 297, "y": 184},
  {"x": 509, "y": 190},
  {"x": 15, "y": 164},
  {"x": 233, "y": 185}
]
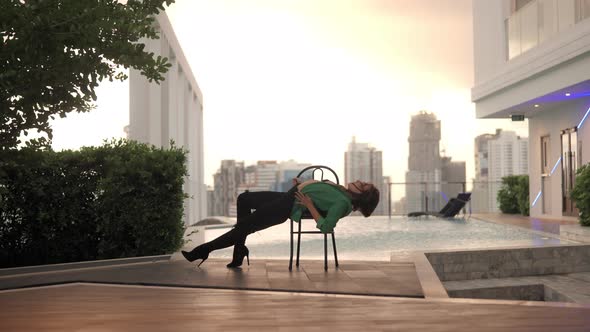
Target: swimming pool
[{"x": 377, "y": 238}]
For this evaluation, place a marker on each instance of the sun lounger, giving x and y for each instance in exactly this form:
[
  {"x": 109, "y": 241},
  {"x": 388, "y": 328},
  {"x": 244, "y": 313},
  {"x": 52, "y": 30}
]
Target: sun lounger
[{"x": 453, "y": 207}]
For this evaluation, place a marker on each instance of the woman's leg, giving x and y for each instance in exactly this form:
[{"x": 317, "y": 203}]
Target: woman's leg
[
  {"x": 249, "y": 201},
  {"x": 268, "y": 213}
]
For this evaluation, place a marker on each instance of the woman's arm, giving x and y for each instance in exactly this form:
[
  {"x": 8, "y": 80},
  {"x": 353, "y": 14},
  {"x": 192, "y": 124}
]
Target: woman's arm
[
  {"x": 324, "y": 224},
  {"x": 308, "y": 203}
]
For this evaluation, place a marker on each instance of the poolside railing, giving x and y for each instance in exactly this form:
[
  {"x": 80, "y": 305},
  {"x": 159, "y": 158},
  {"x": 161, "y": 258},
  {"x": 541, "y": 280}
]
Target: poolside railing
[{"x": 405, "y": 197}]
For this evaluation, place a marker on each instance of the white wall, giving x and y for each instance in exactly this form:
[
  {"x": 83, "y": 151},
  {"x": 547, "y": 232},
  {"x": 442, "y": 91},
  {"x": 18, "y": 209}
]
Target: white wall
[
  {"x": 172, "y": 110},
  {"x": 551, "y": 122},
  {"x": 488, "y": 38}
]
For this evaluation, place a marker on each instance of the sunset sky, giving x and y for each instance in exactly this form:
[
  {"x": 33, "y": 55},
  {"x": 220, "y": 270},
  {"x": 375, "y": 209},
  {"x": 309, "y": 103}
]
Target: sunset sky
[{"x": 296, "y": 79}]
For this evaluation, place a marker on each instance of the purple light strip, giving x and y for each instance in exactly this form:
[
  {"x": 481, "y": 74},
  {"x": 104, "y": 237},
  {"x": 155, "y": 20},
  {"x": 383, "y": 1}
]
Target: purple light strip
[
  {"x": 583, "y": 119},
  {"x": 537, "y": 198},
  {"x": 555, "y": 167}
]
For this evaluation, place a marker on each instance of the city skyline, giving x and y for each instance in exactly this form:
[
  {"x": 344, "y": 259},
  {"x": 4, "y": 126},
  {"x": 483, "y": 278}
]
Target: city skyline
[{"x": 266, "y": 67}]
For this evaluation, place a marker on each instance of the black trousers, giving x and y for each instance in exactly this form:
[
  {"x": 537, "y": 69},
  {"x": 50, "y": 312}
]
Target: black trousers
[{"x": 270, "y": 208}]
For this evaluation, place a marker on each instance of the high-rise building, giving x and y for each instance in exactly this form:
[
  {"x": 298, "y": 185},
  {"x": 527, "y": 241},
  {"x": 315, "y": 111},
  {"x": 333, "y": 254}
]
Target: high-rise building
[
  {"x": 210, "y": 201},
  {"x": 363, "y": 162},
  {"x": 453, "y": 178},
  {"x": 267, "y": 175},
  {"x": 508, "y": 155},
  {"x": 171, "y": 110},
  {"x": 496, "y": 156},
  {"x": 481, "y": 200},
  {"x": 226, "y": 186},
  {"x": 431, "y": 179},
  {"x": 424, "y": 175},
  {"x": 531, "y": 60},
  {"x": 287, "y": 171}
]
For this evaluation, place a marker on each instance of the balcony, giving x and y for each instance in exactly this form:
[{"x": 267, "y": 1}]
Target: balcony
[{"x": 540, "y": 20}]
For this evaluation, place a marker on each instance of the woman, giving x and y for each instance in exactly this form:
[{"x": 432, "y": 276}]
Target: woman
[{"x": 272, "y": 208}]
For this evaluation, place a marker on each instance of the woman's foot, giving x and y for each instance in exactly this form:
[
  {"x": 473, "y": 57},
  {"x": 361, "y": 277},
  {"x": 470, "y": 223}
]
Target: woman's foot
[
  {"x": 240, "y": 251},
  {"x": 199, "y": 252}
]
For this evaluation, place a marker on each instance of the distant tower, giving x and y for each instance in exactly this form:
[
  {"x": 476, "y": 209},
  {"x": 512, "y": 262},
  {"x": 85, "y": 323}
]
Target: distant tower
[
  {"x": 226, "y": 182},
  {"x": 481, "y": 199},
  {"x": 424, "y": 163},
  {"x": 508, "y": 155},
  {"x": 365, "y": 163},
  {"x": 496, "y": 155}
]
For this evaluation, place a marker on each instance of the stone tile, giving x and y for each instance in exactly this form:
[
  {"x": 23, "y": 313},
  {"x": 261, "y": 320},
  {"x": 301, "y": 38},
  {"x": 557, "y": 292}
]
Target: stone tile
[
  {"x": 365, "y": 274},
  {"x": 339, "y": 275},
  {"x": 356, "y": 266},
  {"x": 286, "y": 276}
]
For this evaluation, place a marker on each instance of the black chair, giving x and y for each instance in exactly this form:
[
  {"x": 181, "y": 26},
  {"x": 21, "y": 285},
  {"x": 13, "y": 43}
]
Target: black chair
[
  {"x": 306, "y": 215},
  {"x": 451, "y": 209}
]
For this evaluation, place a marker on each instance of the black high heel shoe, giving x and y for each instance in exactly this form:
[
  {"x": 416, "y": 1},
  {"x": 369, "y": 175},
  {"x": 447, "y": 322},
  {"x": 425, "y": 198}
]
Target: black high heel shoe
[
  {"x": 197, "y": 253},
  {"x": 239, "y": 253}
]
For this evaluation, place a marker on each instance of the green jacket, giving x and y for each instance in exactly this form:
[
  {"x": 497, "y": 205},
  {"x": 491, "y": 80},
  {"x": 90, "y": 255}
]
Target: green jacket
[{"x": 328, "y": 198}]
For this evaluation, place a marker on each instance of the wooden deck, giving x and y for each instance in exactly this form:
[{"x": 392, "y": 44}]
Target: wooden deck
[
  {"x": 174, "y": 295},
  {"x": 93, "y": 307}
]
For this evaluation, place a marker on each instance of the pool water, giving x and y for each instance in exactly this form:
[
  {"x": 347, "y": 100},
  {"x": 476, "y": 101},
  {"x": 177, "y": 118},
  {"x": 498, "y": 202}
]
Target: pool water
[{"x": 377, "y": 238}]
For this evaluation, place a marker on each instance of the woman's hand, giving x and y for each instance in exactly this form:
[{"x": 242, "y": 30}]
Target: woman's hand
[
  {"x": 296, "y": 181},
  {"x": 304, "y": 200},
  {"x": 308, "y": 203}
]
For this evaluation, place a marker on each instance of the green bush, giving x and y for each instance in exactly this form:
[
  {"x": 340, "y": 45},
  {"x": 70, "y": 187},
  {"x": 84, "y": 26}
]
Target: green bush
[
  {"x": 513, "y": 196},
  {"x": 581, "y": 194},
  {"x": 122, "y": 199}
]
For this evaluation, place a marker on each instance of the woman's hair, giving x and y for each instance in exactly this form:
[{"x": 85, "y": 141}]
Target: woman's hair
[{"x": 366, "y": 201}]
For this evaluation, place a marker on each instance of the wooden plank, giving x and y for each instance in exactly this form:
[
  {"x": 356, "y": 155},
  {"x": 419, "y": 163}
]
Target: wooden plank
[{"x": 124, "y": 308}]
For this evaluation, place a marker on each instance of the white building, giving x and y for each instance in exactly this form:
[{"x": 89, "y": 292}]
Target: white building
[
  {"x": 505, "y": 154},
  {"x": 287, "y": 171},
  {"x": 365, "y": 163},
  {"x": 424, "y": 175},
  {"x": 172, "y": 110},
  {"x": 227, "y": 181},
  {"x": 532, "y": 58}
]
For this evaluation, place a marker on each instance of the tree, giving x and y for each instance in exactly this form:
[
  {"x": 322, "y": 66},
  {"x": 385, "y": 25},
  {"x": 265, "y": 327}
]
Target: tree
[{"x": 55, "y": 52}]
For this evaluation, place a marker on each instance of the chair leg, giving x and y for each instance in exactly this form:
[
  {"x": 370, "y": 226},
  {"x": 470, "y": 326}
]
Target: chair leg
[
  {"x": 291, "y": 256},
  {"x": 298, "y": 242},
  {"x": 325, "y": 252},
  {"x": 334, "y": 246}
]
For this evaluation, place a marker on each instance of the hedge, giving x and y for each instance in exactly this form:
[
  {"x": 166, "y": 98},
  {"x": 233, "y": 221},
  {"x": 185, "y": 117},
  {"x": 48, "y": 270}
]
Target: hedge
[
  {"x": 122, "y": 199},
  {"x": 513, "y": 196},
  {"x": 581, "y": 194}
]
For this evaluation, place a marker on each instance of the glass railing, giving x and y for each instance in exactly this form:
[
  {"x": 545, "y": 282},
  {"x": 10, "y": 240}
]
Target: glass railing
[
  {"x": 406, "y": 197},
  {"x": 539, "y": 20},
  {"x": 401, "y": 198}
]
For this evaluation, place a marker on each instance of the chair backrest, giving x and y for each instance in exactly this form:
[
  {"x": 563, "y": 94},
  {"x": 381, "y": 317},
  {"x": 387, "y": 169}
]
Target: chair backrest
[
  {"x": 464, "y": 196},
  {"x": 315, "y": 171},
  {"x": 318, "y": 169},
  {"x": 455, "y": 205}
]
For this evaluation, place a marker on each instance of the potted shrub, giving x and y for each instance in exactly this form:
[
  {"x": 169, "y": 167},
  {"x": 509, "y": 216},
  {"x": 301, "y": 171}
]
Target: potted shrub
[
  {"x": 581, "y": 194},
  {"x": 513, "y": 196}
]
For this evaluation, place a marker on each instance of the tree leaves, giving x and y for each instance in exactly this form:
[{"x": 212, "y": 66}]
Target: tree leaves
[{"x": 55, "y": 52}]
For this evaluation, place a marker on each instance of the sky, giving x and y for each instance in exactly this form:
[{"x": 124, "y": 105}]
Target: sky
[{"x": 297, "y": 79}]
